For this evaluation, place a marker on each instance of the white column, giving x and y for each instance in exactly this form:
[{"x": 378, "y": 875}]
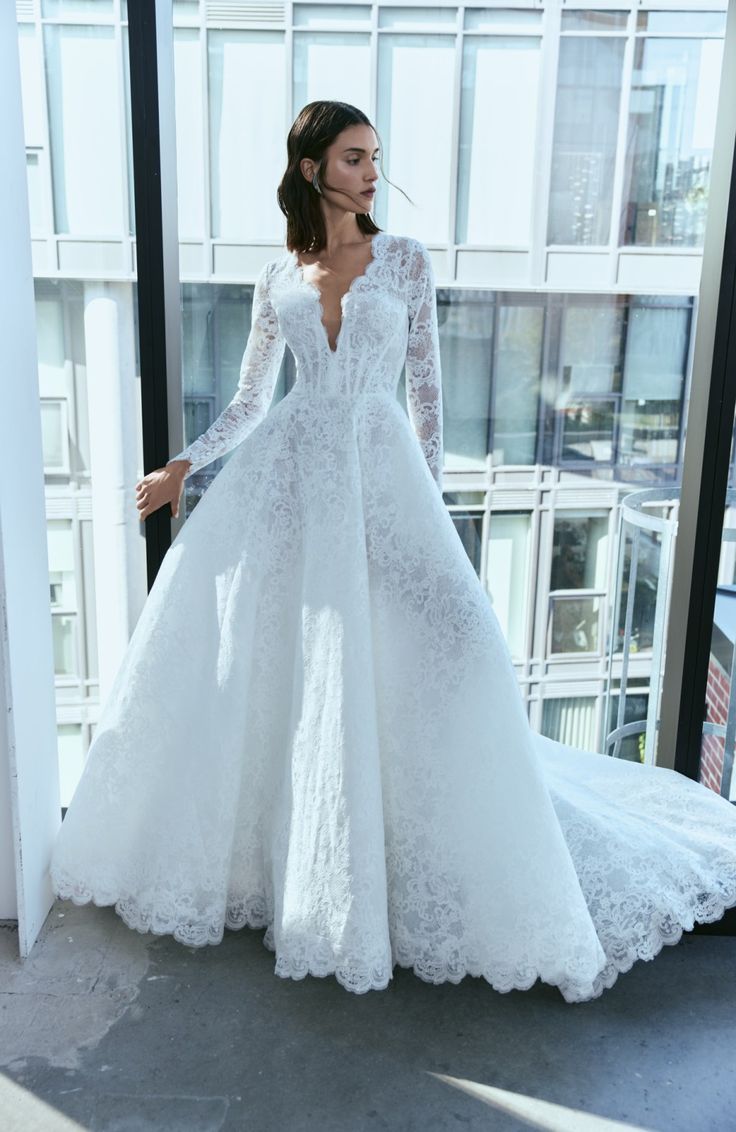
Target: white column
[
  {"x": 119, "y": 548},
  {"x": 30, "y": 811}
]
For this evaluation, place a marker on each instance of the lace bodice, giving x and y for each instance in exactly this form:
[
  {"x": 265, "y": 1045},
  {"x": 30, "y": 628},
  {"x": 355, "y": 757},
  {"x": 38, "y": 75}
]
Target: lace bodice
[{"x": 389, "y": 320}]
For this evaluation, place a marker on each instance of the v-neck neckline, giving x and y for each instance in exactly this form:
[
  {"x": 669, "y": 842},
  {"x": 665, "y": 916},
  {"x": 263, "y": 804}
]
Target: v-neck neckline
[{"x": 364, "y": 274}]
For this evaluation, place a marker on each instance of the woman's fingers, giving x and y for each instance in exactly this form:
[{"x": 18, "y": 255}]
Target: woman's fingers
[{"x": 156, "y": 489}]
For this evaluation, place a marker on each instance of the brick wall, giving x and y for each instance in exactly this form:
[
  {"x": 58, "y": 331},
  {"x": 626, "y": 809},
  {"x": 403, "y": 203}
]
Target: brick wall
[{"x": 711, "y": 752}]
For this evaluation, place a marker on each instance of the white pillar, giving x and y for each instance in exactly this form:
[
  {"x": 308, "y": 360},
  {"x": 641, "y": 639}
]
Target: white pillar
[
  {"x": 30, "y": 811},
  {"x": 119, "y": 548}
]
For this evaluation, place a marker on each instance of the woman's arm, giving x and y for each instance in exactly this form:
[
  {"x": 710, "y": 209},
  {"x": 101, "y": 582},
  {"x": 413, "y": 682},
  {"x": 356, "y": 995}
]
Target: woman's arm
[
  {"x": 423, "y": 370},
  {"x": 259, "y": 370}
]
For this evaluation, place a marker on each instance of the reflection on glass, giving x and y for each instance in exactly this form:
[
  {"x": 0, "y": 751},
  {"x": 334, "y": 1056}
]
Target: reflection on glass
[
  {"x": 592, "y": 345},
  {"x": 574, "y": 624},
  {"x": 594, "y": 21},
  {"x": 466, "y": 347},
  {"x": 498, "y": 115},
  {"x": 717, "y": 748},
  {"x": 636, "y": 705},
  {"x": 655, "y": 367},
  {"x": 682, "y": 23},
  {"x": 674, "y": 99},
  {"x": 718, "y": 744},
  {"x": 584, "y": 144},
  {"x": 645, "y": 591},
  {"x": 587, "y": 431},
  {"x": 579, "y": 552},
  {"x": 579, "y": 562},
  {"x": 621, "y": 392},
  {"x": 517, "y": 383}
]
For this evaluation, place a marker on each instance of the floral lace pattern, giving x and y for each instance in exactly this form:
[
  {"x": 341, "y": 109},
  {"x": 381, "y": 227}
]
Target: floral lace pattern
[
  {"x": 405, "y": 266},
  {"x": 317, "y": 729}
]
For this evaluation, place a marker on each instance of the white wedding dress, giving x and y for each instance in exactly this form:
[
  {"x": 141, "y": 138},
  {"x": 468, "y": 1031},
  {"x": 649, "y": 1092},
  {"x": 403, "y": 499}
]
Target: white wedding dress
[{"x": 317, "y": 729}]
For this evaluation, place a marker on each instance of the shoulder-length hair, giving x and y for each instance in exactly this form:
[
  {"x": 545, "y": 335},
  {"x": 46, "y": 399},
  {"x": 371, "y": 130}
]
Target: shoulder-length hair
[{"x": 313, "y": 131}]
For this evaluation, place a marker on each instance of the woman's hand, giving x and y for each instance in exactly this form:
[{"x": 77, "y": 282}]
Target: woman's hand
[{"x": 164, "y": 485}]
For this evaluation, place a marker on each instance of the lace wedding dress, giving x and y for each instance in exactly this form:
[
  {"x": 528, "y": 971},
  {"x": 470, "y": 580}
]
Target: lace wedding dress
[{"x": 317, "y": 729}]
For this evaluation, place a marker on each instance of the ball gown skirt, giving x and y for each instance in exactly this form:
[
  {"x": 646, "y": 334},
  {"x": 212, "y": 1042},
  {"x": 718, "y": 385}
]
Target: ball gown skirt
[{"x": 316, "y": 728}]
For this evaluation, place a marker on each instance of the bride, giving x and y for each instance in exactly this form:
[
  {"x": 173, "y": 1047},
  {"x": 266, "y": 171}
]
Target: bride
[{"x": 316, "y": 728}]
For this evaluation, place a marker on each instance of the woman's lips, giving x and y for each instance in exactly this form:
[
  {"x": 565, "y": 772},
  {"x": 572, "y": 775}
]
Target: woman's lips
[{"x": 368, "y": 193}]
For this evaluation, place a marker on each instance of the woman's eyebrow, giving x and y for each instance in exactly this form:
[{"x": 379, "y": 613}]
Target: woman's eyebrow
[{"x": 357, "y": 149}]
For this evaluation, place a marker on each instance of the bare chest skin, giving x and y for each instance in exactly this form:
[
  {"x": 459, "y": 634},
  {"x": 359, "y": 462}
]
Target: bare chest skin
[{"x": 332, "y": 280}]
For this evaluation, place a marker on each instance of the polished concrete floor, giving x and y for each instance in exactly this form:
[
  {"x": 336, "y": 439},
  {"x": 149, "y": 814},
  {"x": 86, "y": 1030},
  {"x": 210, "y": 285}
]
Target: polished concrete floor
[{"x": 107, "y": 1029}]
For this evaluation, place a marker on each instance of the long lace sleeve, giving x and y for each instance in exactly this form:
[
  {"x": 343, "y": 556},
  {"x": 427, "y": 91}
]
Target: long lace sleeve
[
  {"x": 423, "y": 370},
  {"x": 259, "y": 370}
]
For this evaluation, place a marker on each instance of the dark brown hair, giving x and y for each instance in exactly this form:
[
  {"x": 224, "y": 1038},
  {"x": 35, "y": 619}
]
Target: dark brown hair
[{"x": 314, "y": 129}]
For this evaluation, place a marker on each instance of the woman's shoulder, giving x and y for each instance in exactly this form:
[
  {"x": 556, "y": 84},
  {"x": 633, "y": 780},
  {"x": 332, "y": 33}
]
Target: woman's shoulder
[{"x": 403, "y": 243}]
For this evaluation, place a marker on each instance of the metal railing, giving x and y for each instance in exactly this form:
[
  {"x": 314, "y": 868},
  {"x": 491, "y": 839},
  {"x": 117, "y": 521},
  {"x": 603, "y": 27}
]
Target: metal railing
[{"x": 636, "y": 518}]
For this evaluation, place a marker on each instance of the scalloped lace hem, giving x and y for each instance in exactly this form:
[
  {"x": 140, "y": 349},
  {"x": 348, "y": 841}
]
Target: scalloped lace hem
[{"x": 360, "y": 975}]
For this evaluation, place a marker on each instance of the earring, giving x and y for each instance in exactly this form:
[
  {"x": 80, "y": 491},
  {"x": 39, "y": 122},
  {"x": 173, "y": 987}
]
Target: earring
[{"x": 315, "y": 185}]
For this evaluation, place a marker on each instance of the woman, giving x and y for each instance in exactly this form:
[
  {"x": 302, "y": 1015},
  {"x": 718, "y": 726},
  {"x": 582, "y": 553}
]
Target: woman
[{"x": 316, "y": 728}]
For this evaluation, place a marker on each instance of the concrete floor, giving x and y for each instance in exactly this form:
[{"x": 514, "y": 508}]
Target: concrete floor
[{"x": 107, "y": 1029}]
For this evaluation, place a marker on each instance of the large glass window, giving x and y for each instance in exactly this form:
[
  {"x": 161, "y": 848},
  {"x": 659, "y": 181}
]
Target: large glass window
[
  {"x": 590, "y": 372},
  {"x": 672, "y": 114},
  {"x": 498, "y": 116},
  {"x": 87, "y": 134},
  {"x": 578, "y": 583},
  {"x": 247, "y": 110},
  {"x": 190, "y": 133},
  {"x": 332, "y": 58},
  {"x": 466, "y": 345},
  {"x": 585, "y": 137},
  {"x": 517, "y": 382},
  {"x": 508, "y": 577},
  {"x": 655, "y": 368},
  {"x": 415, "y": 120}
]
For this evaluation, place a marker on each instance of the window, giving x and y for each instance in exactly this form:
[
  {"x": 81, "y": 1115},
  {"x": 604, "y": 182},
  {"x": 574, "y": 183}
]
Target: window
[
  {"x": 578, "y": 583},
  {"x": 672, "y": 115},
  {"x": 571, "y": 720},
  {"x": 498, "y": 117},
  {"x": 63, "y": 595},
  {"x": 517, "y": 383},
  {"x": 508, "y": 578},
  {"x": 54, "y": 436},
  {"x": 584, "y": 143}
]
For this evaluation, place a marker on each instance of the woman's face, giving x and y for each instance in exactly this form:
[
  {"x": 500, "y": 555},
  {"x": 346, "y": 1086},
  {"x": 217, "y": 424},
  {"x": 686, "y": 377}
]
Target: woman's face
[{"x": 350, "y": 167}]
